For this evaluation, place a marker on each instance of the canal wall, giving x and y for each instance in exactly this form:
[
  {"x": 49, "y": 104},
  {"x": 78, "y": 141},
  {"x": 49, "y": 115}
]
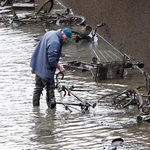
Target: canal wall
[{"x": 127, "y": 24}]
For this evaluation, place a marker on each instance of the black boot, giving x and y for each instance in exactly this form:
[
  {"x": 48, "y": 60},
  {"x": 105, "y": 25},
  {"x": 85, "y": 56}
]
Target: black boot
[
  {"x": 36, "y": 98},
  {"x": 52, "y": 103},
  {"x": 39, "y": 85}
]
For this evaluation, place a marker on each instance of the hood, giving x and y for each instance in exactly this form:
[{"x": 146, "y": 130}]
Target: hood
[{"x": 58, "y": 32}]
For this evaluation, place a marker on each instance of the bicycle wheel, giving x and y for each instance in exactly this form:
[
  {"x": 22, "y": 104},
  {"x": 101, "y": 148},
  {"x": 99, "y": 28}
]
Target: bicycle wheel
[
  {"x": 47, "y": 6},
  {"x": 71, "y": 20}
]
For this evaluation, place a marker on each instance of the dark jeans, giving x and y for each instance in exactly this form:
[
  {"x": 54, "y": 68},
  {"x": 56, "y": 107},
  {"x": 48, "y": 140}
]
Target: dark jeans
[{"x": 40, "y": 84}]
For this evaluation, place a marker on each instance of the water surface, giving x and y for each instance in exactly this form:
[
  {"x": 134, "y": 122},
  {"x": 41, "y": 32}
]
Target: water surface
[{"x": 25, "y": 127}]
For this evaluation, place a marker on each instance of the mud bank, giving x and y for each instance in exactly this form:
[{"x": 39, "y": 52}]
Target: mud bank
[{"x": 127, "y": 24}]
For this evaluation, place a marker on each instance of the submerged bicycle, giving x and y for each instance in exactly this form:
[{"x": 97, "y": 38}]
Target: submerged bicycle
[{"x": 83, "y": 104}]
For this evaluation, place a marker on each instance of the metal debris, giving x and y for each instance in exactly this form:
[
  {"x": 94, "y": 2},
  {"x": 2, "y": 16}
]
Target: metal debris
[{"x": 45, "y": 16}]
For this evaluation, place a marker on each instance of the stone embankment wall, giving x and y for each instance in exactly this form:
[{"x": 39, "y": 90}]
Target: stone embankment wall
[{"x": 127, "y": 24}]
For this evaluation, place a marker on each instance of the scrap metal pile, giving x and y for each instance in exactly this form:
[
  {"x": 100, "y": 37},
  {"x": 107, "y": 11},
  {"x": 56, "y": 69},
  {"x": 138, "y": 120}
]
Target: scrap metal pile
[
  {"x": 139, "y": 96},
  {"x": 43, "y": 16},
  {"x": 134, "y": 97}
]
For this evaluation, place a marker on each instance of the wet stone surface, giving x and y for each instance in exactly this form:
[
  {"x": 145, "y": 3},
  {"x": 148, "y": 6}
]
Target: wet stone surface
[{"x": 25, "y": 127}]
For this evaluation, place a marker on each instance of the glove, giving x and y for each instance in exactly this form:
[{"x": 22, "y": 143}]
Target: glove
[{"x": 61, "y": 69}]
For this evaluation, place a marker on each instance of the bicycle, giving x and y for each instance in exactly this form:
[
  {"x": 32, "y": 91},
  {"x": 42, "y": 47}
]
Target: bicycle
[{"x": 84, "y": 104}]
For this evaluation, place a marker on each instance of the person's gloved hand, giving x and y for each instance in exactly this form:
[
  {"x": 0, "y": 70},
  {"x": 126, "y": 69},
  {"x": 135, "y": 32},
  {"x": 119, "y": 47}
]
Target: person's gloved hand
[{"x": 61, "y": 69}]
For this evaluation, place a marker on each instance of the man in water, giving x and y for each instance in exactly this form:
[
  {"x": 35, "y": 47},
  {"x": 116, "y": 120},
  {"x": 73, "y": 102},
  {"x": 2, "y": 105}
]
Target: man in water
[{"x": 44, "y": 62}]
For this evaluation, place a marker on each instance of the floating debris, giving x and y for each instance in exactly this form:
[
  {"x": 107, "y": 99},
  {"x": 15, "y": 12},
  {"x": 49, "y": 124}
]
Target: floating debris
[
  {"x": 143, "y": 118},
  {"x": 115, "y": 143}
]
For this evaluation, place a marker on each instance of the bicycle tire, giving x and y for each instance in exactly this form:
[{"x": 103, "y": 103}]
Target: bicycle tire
[
  {"x": 48, "y": 1},
  {"x": 66, "y": 20}
]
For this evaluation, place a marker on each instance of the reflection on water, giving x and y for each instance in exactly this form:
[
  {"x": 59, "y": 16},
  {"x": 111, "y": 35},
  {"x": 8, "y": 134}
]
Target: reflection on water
[{"x": 25, "y": 127}]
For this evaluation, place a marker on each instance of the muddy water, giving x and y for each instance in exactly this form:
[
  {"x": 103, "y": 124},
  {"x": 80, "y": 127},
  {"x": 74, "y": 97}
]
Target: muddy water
[{"x": 25, "y": 127}]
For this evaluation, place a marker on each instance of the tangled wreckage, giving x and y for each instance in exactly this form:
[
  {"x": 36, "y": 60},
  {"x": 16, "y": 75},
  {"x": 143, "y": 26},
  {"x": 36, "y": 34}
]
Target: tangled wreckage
[
  {"x": 104, "y": 65},
  {"x": 42, "y": 16}
]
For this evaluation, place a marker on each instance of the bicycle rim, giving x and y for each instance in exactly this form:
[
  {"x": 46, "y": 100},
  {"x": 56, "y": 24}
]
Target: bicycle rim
[
  {"x": 70, "y": 20},
  {"x": 47, "y": 6}
]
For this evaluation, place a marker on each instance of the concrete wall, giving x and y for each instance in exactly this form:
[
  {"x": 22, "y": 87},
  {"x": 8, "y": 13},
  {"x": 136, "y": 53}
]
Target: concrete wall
[{"x": 127, "y": 24}]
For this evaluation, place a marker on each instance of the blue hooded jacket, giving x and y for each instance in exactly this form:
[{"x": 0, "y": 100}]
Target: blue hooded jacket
[{"x": 46, "y": 55}]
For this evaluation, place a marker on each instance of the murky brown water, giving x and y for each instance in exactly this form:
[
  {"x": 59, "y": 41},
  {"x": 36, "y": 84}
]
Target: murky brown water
[{"x": 25, "y": 127}]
